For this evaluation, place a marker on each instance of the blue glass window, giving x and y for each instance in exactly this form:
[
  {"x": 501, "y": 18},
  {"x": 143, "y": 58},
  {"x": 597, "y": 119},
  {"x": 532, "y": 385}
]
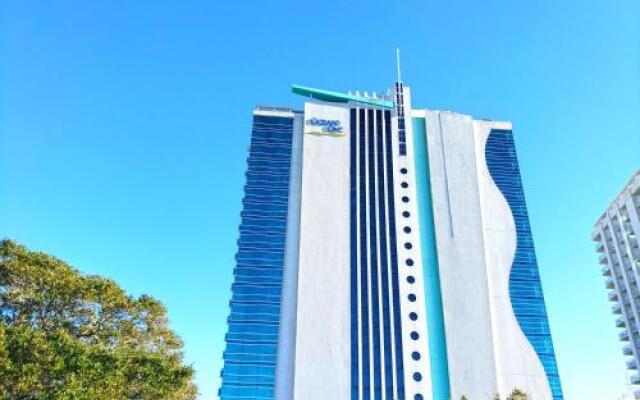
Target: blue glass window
[{"x": 253, "y": 323}]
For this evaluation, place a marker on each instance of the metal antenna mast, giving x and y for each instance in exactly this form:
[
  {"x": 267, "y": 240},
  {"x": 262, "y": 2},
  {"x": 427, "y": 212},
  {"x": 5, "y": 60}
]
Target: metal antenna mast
[{"x": 398, "y": 64}]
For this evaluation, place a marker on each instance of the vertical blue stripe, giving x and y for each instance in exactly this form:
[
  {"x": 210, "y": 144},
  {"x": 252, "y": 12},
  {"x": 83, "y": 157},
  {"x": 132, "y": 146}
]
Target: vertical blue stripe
[
  {"x": 364, "y": 299},
  {"x": 433, "y": 296},
  {"x": 354, "y": 256},
  {"x": 394, "y": 260},
  {"x": 373, "y": 256},
  {"x": 384, "y": 261}
]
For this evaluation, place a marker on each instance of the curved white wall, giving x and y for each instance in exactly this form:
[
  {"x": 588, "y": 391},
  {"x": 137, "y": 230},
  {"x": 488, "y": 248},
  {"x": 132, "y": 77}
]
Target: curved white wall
[
  {"x": 461, "y": 256},
  {"x": 517, "y": 364}
]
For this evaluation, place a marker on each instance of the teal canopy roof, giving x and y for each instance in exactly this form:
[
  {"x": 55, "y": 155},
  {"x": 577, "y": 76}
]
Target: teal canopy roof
[{"x": 336, "y": 97}]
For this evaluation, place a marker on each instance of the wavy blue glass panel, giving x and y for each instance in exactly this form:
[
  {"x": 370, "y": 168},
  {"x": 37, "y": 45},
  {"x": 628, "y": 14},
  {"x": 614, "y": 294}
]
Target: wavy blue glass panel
[
  {"x": 253, "y": 324},
  {"x": 524, "y": 281}
]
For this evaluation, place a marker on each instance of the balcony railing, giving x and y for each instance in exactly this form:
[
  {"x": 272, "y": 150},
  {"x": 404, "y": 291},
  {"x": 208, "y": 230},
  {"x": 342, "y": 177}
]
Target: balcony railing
[
  {"x": 627, "y": 350},
  {"x": 609, "y": 283},
  {"x": 613, "y": 295},
  {"x": 602, "y": 259},
  {"x": 631, "y": 364},
  {"x": 624, "y": 336},
  {"x": 620, "y": 322},
  {"x": 616, "y": 308}
]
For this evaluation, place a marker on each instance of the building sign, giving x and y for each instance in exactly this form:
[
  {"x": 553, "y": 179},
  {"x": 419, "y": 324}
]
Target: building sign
[
  {"x": 325, "y": 120},
  {"x": 326, "y": 126}
]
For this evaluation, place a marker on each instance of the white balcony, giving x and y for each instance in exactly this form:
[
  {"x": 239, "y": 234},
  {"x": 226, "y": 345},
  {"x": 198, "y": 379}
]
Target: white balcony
[
  {"x": 605, "y": 270},
  {"x": 602, "y": 259},
  {"x": 635, "y": 379},
  {"x": 616, "y": 308},
  {"x": 627, "y": 350},
  {"x": 609, "y": 283},
  {"x": 631, "y": 364},
  {"x": 613, "y": 295},
  {"x": 620, "y": 322},
  {"x": 596, "y": 235},
  {"x": 600, "y": 247},
  {"x": 624, "y": 336}
]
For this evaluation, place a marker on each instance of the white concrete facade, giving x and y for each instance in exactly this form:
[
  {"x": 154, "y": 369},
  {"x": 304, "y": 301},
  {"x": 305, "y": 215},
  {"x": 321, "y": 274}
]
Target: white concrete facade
[
  {"x": 488, "y": 353},
  {"x": 615, "y": 234},
  {"x": 323, "y": 337},
  {"x": 460, "y": 244}
]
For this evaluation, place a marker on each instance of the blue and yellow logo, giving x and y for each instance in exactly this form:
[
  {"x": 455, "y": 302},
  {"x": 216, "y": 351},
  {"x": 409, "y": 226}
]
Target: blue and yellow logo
[{"x": 331, "y": 127}]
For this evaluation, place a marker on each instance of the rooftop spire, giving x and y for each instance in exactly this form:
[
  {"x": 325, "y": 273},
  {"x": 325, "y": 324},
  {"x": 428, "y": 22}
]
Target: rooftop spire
[{"x": 398, "y": 64}]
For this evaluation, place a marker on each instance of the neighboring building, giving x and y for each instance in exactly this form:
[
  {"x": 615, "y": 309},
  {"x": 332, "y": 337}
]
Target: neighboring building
[
  {"x": 615, "y": 235},
  {"x": 384, "y": 253}
]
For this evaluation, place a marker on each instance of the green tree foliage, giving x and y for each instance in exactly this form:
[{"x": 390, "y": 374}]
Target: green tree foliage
[
  {"x": 518, "y": 394},
  {"x": 67, "y": 336}
]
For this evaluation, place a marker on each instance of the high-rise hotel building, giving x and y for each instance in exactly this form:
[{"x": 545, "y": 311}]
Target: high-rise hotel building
[
  {"x": 385, "y": 253},
  {"x": 616, "y": 239}
]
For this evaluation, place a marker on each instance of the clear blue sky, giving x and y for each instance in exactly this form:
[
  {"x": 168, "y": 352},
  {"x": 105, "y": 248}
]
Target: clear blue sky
[{"x": 124, "y": 127}]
